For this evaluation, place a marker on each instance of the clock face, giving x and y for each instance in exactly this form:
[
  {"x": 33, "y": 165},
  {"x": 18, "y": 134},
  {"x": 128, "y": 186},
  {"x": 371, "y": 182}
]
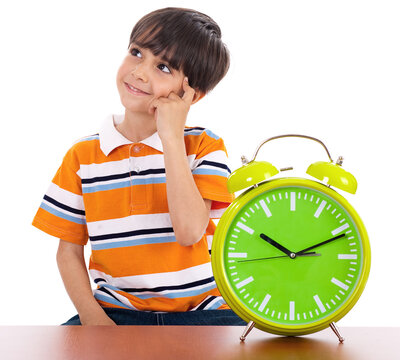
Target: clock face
[{"x": 292, "y": 256}]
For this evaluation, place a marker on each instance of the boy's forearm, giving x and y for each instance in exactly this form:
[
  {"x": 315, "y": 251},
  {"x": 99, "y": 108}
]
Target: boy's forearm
[
  {"x": 74, "y": 274},
  {"x": 189, "y": 214}
]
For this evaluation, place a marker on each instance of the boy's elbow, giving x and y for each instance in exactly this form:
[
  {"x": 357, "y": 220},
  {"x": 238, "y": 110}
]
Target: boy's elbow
[{"x": 188, "y": 238}]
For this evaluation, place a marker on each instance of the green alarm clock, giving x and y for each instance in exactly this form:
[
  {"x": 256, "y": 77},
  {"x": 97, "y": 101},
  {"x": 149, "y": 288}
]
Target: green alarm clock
[{"x": 290, "y": 255}]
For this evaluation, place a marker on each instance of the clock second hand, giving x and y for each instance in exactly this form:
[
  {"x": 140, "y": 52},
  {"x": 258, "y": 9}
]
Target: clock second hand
[{"x": 283, "y": 256}]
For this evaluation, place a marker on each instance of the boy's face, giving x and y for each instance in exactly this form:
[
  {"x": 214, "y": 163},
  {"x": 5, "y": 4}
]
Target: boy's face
[{"x": 143, "y": 77}]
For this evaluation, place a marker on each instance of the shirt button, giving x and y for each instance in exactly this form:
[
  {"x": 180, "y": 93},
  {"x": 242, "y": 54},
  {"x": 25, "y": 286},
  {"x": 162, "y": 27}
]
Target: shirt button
[
  {"x": 136, "y": 169},
  {"x": 137, "y": 148}
]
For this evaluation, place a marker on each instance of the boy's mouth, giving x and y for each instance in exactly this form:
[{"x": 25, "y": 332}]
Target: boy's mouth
[{"x": 134, "y": 90}]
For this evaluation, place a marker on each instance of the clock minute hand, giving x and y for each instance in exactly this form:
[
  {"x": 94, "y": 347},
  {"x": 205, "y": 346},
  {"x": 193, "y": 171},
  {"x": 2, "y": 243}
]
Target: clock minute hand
[
  {"x": 289, "y": 253},
  {"x": 320, "y": 244}
]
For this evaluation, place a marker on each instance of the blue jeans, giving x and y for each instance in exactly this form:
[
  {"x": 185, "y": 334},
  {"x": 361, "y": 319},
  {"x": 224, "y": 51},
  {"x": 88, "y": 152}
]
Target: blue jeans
[{"x": 200, "y": 317}]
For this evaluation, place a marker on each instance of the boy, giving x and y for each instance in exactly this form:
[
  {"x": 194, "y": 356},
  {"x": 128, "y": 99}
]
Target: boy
[{"x": 143, "y": 190}]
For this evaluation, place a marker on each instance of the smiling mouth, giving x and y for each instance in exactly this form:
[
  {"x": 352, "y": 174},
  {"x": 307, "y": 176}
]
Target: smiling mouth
[{"x": 134, "y": 90}]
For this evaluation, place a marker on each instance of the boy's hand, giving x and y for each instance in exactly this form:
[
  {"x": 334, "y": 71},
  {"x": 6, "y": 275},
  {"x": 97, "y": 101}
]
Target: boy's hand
[
  {"x": 171, "y": 112},
  {"x": 97, "y": 318}
]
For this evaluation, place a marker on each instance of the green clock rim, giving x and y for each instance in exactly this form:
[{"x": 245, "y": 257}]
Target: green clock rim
[{"x": 221, "y": 277}]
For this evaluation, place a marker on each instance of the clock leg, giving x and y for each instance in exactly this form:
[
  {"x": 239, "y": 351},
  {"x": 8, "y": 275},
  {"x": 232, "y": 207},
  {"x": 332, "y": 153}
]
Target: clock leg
[
  {"x": 336, "y": 331},
  {"x": 246, "y": 331}
]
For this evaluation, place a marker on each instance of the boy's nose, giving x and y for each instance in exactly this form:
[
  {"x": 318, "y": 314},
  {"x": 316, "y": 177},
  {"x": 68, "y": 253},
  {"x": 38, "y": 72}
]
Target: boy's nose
[{"x": 139, "y": 73}]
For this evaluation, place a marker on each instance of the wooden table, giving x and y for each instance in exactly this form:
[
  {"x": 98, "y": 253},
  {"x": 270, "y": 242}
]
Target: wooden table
[{"x": 191, "y": 342}]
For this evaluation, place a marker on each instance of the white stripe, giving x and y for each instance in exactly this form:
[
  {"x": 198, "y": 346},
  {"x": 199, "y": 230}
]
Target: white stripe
[
  {"x": 320, "y": 208},
  {"x": 181, "y": 277},
  {"x": 347, "y": 257},
  {"x": 264, "y": 302},
  {"x": 292, "y": 201},
  {"x": 319, "y": 303},
  {"x": 291, "y": 310},
  {"x": 127, "y": 179},
  {"x": 217, "y": 213},
  {"x": 245, "y": 228},
  {"x": 265, "y": 208},
  {"x": 122, "y": 166},
  {"x": 129, "y": 223},
  {"x": 237, "y": 255},
  {"x": 217, "y": 156},
  {"x": 69, "y": 213},
  {"x": 65, "y": 197},
  {"x": 217, "y": 299},
  {"x": 121, "y": 298},
  {"x": 339, "y": 283},
  {"x": 340, "y": 229},
  {"x": 210, "y": 239},
  {"x": 134, "y": 238},
  {"x": 245, "y": 282}
]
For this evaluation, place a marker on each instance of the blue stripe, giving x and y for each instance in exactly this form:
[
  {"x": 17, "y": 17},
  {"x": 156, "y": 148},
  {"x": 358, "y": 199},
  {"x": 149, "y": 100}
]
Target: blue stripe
[
  {"x": 199, "y": 132},
  {"x": 211, "y": 134},
  {"x": 92, "y": 189},
  {"x": 123, "y": 184},
  {"x": 171, "y": 295},
  {"x": 145, "y": 241},
  {"x": 62, "y": 215},
  {"x": 193, "y": 132},
  {"x": 149, "y": 181},
  {"x": 94, "y": 137},
  {"x": 216, "y": 305},
  {"x": 209, "y": 172},
  {"x": 110, "y": 300}
]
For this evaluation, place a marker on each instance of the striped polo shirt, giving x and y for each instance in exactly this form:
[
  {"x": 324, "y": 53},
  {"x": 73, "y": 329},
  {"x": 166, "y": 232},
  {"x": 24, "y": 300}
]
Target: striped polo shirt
[{"x": 113, "y": 192}]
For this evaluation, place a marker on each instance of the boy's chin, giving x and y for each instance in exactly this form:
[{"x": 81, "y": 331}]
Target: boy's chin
[{"x": 143, "y": 113}]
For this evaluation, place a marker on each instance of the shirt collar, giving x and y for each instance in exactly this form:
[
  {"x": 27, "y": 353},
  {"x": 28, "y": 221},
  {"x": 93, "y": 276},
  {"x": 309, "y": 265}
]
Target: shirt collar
[{"x": 111, "y": 138}]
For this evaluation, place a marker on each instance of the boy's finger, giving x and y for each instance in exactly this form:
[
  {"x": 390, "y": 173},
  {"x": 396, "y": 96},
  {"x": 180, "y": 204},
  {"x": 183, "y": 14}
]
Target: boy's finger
[
  {"x": 188, "y": 91},
  {"x": 153, "y": 106},
  {"x": 173, "y": 96}
]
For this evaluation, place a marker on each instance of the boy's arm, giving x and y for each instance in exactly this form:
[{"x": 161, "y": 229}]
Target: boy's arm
[
  {"x": 188, "y": 210},
  {"x": 72, "y": 267}
]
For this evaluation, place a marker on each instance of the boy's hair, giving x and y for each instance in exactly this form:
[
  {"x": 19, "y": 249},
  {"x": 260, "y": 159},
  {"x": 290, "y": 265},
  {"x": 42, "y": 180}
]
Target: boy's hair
[{"x": 188, "y": 40}]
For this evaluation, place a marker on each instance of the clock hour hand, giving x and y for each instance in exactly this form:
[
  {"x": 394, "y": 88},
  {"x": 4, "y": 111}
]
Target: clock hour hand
[
  {"x": 289, "y": 253},
  {"x": 320, "y": 244}
]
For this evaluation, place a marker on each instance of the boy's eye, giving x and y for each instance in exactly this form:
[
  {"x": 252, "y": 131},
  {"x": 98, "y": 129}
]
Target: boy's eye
[
  {"x": 164, "y": 68},
  {"x": 136, "y": 52}
]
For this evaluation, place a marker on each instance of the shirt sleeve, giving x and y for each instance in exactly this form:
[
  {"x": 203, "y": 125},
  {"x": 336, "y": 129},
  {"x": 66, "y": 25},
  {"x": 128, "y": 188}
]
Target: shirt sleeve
[
  {"x": 211, "y": 173},
  {"x": 62, "y": 211}
]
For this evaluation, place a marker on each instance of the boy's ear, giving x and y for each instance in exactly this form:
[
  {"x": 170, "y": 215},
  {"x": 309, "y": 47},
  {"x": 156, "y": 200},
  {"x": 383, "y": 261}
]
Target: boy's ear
[{"x": 197, "y": 96}]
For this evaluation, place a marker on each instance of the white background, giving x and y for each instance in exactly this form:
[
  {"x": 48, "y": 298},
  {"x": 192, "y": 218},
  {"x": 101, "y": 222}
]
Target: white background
[{"x": 328, "y": 69}]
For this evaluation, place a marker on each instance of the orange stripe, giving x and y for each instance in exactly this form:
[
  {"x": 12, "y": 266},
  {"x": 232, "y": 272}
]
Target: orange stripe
[{"x": 149, "y": 259}]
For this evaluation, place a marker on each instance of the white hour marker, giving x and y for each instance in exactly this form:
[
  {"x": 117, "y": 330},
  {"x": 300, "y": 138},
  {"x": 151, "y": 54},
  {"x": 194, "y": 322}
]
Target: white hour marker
[
  {"x": 292, "y": 201},
  {"x": 265, "y": 208},
  {"x": 347, "y": 257},
  {"x": 245, "y": 228},
  {"x": 340, "y": 229},
  {"x": 264, "y": 302},
  {"x": 291, "y": 310},
  {"x": 237, "y": 255},
  {"x": 320, "y": 208},
  {"x": 319, "y": 303},
  {"x": 244, "y": 282},
  {"x": 340, "y": 284}
]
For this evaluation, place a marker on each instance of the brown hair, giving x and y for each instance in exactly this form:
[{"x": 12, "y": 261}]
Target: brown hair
[{"x": 188, "y": 40}]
